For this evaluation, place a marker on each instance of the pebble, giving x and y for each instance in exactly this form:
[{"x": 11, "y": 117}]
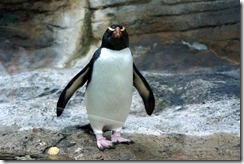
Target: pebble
[{"x": 53, "y": 151}]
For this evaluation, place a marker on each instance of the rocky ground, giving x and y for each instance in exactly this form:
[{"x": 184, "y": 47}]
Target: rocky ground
[
  {"x": 197, "y": 117},
  {"x": 76, "y": 144}
]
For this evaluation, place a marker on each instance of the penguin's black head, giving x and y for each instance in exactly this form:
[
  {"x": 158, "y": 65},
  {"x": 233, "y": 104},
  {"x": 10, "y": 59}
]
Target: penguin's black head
[{"x": 115, "y": 38}]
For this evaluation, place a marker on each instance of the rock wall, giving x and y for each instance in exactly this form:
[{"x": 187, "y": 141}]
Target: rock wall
[
  {"x": 57, "y": 33},
  {"x": 36, "y": 34},
  {"x": 158, "y": 29}
]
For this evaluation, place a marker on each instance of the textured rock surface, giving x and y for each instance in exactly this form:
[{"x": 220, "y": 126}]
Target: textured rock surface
[
  {"x": 59, "y": 33},
  {"x": 76, "y": 144},
  {"x": 214, "y": 23},
  {"x": 33, "y": 96},
  {"x": 202, "y": 107},
  {"x": 36, "y": 34}
]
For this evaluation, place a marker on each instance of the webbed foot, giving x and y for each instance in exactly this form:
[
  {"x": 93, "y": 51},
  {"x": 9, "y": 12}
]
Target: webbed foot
[
  {"x": 102, "y": 143},
  {"x": 116, "y": 139}
]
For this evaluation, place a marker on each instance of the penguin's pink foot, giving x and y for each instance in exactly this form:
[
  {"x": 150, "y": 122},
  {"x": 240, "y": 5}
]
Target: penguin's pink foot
[
  {"x": 102, "y": 143},
  {"x": 116, "y": 138}
]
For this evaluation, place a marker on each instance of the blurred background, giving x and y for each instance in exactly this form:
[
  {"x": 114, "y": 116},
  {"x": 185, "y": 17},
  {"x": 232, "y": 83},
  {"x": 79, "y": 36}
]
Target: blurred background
[{"x": 165, "y": 35}]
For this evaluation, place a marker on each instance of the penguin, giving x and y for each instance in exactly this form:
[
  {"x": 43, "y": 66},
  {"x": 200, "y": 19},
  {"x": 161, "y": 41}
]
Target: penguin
[{"x": 110, "y": 76}]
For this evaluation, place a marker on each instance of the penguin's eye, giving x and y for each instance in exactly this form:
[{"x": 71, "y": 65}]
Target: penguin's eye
[{"x": 111, "y": 29}]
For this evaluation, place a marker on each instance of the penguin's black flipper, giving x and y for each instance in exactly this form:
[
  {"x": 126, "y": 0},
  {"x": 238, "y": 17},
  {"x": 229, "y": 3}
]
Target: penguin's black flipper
[
  {"x": 78, "y": 81},
  {"x": 144, "y": 90}
]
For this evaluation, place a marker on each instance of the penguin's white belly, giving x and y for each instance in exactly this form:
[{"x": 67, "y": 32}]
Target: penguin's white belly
[{"x": 109, "y": 93}]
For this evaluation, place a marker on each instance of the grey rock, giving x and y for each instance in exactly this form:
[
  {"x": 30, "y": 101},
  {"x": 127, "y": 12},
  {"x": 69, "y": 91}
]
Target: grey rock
[
  {"x": 44, "y": 30},
  {"x": 205, "y": 103},
  {"x": 164, "y": 22},
  {"x": 33, "y": 96},
  {"x": 62, "y": 33},
  {"x": 195, "y": 45}
]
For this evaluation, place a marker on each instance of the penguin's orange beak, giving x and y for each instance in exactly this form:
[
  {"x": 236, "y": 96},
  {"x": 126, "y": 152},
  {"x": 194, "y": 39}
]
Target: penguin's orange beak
[{"x": 117, "y": 33}]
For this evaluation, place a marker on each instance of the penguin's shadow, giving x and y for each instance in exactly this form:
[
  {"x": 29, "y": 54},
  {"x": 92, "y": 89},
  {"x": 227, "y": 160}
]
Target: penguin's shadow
[{"x": 86, "y": 128}]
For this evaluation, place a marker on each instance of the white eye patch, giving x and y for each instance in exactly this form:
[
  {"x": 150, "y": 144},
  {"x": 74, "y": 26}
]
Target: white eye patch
[
  {"x": 123, "y": 29},
  {"x": 112, "y": 29}
]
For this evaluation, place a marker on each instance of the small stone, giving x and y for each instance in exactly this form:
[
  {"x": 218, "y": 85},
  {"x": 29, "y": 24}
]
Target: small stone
[
  {"x": 178, "y": 108},
  {"x": 42, "y": 144},
  {"x": 24, "y": 158},
  {"x": 53, "y": 151},
  {"x": 80, "y": 149},
  {"x": 79, "y": 157}
]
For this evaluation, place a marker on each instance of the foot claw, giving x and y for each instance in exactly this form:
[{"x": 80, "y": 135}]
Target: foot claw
[
  {"x": 103, "y": 148},
  {"x": 103, "y": 144},
  {"x": 117, "y": 139}
]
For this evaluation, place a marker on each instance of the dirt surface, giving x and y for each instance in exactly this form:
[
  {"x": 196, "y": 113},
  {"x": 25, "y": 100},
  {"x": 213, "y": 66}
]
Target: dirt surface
[
  {"x": 170, "y": 147},
  {"x": 77, "y": 144}
]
